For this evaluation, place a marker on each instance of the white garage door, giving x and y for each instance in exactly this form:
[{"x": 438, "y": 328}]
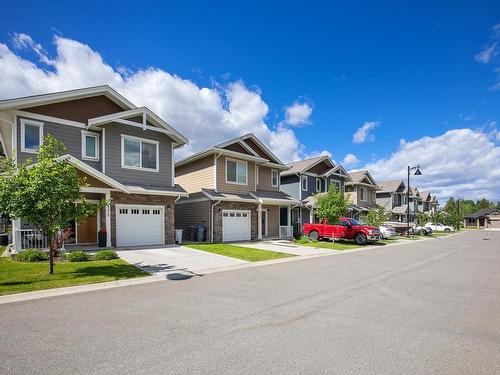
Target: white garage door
[
  {"x": 139, "y": 225},
  {"x": 235, "y": 225}
]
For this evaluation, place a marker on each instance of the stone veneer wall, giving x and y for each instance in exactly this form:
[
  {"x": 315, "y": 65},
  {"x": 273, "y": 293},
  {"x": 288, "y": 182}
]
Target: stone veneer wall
[
  {"x": 159, "y": 200},
  {"x": 234, "y": 206}
]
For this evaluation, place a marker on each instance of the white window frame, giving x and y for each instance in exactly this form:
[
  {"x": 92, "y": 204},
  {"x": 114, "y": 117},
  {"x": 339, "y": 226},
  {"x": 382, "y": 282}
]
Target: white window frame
[
  {"x": 141, "y": 140},
  {"x": 336, "y": 183},
  {"x": 302, "y": 179},
  {"x": 318, "y": 185},
  {"x": 86, "y": 134},
  {"x": 246, "y": 170},
  {"x": 273, "y": 171},
  {"x": 364, "y": 191},
  {"x": 39, "y": 124}
]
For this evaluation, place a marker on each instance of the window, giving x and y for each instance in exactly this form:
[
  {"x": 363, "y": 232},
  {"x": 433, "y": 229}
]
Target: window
[
  {"x": 335, "y": 183},
  {"x": 90, "y": 146},
  {"x": 274, "y": 177},
  {"x": 31, "y": 135},
  {"x": 123, "y": 211},
  {"x": 318, "y": 185},
  {"x": 304, "y": 183},
  {"x": 156, "y": 212},
  {"x": 362, "y": 194},
  {"x": 236, "y": 172},
  {"x": 138, "y": 153},
  {"x": 145, "y": 212},
  {"x": 134, "y": 211}
]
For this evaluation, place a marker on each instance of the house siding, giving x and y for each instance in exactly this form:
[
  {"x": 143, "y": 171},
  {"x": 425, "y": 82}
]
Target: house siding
[
  {"x": 70, "y": 136},
  {"x": 224, "y": 187},
  {"x": 192, "y": 213},
  {"x": 291, "y": 185},
  {"x": 162, "y": 178},
  {"x": 194, "y": 176},
  {"x": 273, "y": 221},
  {"x": 265, "y": 182}
]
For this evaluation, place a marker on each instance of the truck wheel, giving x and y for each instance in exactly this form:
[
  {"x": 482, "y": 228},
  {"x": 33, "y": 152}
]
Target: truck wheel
[
  {"x": 313, "y": 235},
  {"x": 447, "y": 230},
  {"x": 423, "y": 232},
  {"x": 360, "y": 239}
]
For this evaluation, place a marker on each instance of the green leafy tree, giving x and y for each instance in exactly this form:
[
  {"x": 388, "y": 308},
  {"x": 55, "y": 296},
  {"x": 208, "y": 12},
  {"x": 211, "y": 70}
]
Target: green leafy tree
[
  {"x": 44, "y": 194},
  {"x": 422, "y": 218},
  {"x": 377, "y": 216},
  {"x": 331, "y": 205},
  {"x": 484, "y": 203}
]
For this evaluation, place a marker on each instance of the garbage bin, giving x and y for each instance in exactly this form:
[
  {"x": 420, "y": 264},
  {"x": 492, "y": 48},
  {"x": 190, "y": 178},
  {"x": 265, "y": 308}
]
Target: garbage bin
[
  {"x": 178, "y": 236},
  {"x": 192, "y": 233},
  {"x": 200, "y": 232}
]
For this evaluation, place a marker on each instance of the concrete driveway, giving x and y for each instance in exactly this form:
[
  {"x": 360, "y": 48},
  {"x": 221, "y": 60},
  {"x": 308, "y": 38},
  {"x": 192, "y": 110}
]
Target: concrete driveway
[
  {"x": 173, "y": 261},
  {"x": 283, "y": 246}
]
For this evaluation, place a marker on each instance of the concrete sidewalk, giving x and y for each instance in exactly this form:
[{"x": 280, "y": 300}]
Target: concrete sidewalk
[{"x": 288, "y": 247}]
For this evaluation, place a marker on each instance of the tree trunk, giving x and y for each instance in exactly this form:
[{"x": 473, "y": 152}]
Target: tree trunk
[
  {"x": 51, "y": 261},
  {"x": 52, "y": 252}
]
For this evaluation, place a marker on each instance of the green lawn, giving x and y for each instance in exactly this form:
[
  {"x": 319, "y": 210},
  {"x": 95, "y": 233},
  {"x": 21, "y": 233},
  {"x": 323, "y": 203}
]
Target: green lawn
[
  {"x": 18, "y": 277},
  {"x": 240, "y": 252},
  {"x": 337, "y": 245}
]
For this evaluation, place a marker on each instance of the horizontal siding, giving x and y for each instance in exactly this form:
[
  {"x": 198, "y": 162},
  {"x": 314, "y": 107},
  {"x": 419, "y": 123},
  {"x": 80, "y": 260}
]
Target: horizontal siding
[
  {"x": 70, "y": 136},
  {"x": 162, "y": 178},
  {"x": 273, "y": 220},
  {"x": 196, "y": 175},
  {"x": 192, "y": 213},
  {"x": 224, "y": 187},
  {"x": 265, "y": 182},
  {"x": 290, "y": 185}
]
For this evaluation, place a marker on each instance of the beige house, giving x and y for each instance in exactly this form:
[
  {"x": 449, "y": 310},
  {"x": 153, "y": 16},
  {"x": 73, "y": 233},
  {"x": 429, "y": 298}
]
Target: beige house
[
  {"x": 234, "y": 191},
  {"x": 487, "y": 218},
  {"x": 361, "y": 192}
]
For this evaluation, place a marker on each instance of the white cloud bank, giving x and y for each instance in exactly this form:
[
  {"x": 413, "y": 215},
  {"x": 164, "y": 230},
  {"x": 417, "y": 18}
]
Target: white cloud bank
[
  {"x": 204, "y": 115},
  {"x": 363, "y": 134},
  {"x": 350, "y": 160},
  {"x": 459, "y": 163}
]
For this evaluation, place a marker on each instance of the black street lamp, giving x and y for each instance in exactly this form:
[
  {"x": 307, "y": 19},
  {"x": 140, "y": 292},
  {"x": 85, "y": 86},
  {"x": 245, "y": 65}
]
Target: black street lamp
[{"x": 417, "y": 173}]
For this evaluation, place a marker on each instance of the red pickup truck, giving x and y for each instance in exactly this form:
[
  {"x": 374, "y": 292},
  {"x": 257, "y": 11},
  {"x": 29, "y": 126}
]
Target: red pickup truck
[{"x": 346, "y": 228}]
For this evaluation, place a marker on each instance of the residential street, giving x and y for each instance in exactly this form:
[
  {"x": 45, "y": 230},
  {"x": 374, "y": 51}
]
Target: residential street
[{"x": 420, "y": 308}]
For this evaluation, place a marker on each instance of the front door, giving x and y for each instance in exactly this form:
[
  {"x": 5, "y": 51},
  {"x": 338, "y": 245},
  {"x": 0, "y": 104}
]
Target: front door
[{"x": 86, "y": 230}]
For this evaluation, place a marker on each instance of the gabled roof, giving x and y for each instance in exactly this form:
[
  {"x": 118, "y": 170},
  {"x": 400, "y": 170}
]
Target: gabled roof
[
  {"x": 390, "y": 186},
  {"x": 147, "y": 116},
  {"x": 425, "y": 195},
  {"x": 252, "y": 155},
  {"x": 61, "y": 96},
  {"x": 362, "y": 177},
  {"x": 482, "y": 213},
  {"x": 304, "y": 165}
]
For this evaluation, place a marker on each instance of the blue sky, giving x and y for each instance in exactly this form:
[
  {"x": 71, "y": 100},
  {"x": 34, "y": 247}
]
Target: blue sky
[{"x": 410, "y": 70}]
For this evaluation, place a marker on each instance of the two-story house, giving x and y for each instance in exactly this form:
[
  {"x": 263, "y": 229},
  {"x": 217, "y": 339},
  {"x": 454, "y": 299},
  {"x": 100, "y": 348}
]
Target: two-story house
[
  {"x": 392, "y": 196},
  {"x": 414, "y": 199},
  {"x": 361, "y": 191},
  {"x": 306, "y": 178},
  {"x": 424, "y": 205},
  {"x": 234, "y": 190},
  {"x": 124, "y": 153}
]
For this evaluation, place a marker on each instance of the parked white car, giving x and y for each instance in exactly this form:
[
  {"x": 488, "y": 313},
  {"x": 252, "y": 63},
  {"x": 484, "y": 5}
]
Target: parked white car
[
  {"x": 386, "y": 231},
  {"x": 440, "y": 227}
]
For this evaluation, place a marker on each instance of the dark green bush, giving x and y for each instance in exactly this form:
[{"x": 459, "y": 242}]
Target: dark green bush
[
  {"x": 77, "y": 256},
  {"x": 107, "y": 254},
  {"x": 303, "y": 239},
  {"x": 31, "y": 255}
]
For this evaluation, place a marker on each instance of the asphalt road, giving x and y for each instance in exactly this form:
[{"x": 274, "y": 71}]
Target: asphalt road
[{"x": 430, "y": 307}]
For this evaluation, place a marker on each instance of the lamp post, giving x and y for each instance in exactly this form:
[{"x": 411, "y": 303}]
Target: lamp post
[{"x": 417, "y": 173}]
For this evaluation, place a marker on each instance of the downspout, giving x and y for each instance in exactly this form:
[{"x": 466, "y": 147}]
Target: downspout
[{"x": 212, "y": 221}]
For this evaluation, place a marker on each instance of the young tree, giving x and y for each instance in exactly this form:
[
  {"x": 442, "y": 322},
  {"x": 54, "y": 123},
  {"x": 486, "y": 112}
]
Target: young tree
[
  {"x": 377, "y": 216},
  {"x": 331, "y": 205},
  {"x": 45, "y": 194}
]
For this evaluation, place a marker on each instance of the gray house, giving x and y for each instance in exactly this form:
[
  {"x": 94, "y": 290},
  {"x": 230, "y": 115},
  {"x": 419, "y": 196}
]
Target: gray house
[
  {"x": 123, "y": 152},
  {"x": 392, "y": 196},
  {"x": 309, "y": 177}
]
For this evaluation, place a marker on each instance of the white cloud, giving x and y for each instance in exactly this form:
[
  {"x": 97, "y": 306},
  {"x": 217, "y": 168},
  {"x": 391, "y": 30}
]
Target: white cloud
[
  {"x": 314, "y": 154},
  {"x": 298, "y": 114},
  {"x": 350, "y": 160},
  {"x": 363, "y": 134},
  {"x": 485, "y": 55},
  {"x": 459, "y": 163},
  {"x": 205, "y": 115}
]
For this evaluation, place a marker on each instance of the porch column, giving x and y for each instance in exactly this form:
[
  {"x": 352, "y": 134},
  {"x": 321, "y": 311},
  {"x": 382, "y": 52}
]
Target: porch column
[
  {"x": 16, "y": 235},
  {"x": 108, "y": 218},
  {"x": 259, "y": 221},
  {"x": 289, "y": 216},
  {"x": 311, "y": 215}
]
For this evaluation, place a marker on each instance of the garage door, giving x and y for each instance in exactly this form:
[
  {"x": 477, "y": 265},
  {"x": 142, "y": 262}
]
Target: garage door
[
  {"x": 139, "y": 225},
  {"x": 235, "y": 225}
]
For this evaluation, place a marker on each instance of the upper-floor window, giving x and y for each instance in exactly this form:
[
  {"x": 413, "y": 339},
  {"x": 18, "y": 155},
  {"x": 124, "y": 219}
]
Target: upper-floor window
[
  {"x": 335, "y": 183},
  {"x": 139, "y": 153},
  {"x": 90, "y": 145},
  {"x": 403, "y": 199},
  {"x": 274, "y": 177},
  {"x": 362, "y": 193},
  {"x": 236, "y": 172},
  {"x": 318, "y": 184},
  {"x": 304, "y": 183},
  {"x": 31, "y": 135}
]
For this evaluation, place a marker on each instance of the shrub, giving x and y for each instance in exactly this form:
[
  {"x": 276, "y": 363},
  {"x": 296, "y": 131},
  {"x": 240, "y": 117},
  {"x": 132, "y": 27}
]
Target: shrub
[
  {"x": 31, "y": 255},
  {"x": 303, "y": 239},
  {"x": 106, "y": 255},
  {"x": 77, "y": 256}
]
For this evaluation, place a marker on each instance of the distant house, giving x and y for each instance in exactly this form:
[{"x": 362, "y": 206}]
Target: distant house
[
  {"x": 392, "y": 196},
  {"x": 361, "y": 192},
  {"x": 487, "y": 218}
]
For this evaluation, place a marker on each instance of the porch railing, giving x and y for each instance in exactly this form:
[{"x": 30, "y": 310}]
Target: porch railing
[
  {"x": 30, "y": 239},
  {"x": 286, "y": 231}
]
